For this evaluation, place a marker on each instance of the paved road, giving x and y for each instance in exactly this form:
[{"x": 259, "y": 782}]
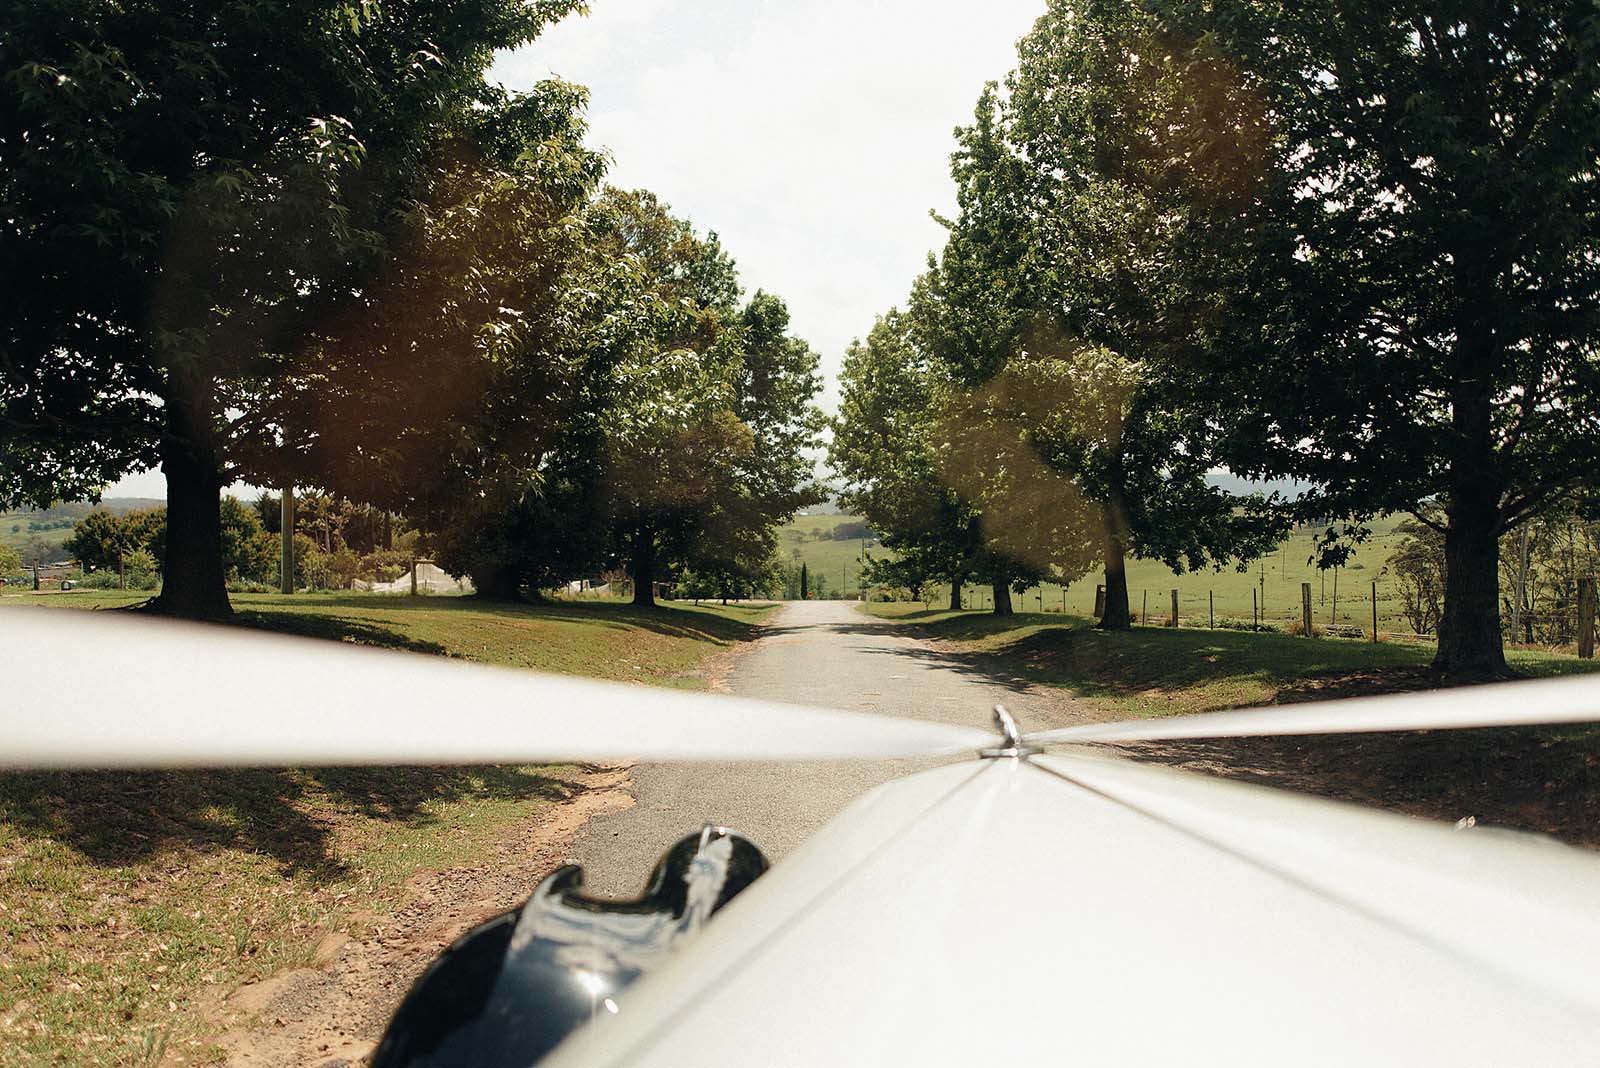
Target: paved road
[{"x": 814, "y": 652}]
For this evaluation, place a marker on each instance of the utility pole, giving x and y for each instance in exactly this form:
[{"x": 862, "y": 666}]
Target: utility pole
[
  {"x": 861, "y": 570},
  {"x": 286, "y": 540}
]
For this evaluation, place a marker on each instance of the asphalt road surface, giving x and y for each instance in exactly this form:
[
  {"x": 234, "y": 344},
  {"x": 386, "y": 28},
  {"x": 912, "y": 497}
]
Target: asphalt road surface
[{"x": 813, "y": 652}]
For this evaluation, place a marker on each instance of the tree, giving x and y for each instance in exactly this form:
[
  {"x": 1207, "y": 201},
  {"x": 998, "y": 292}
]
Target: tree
[
  {"x": 1060, "y": 254},
  {"x": 672, "y": 423},
  {"x": 10, "y": 560},
  {"x": 1544, "y": 561},
  {"x": 506, "y": 309},
  {"x": 671, "y": 447},
  {"x": 883, "y": 450},
  {"x": 1427, "y": 293},
  {"x": 703, "y": 448},
  {"x": 99, "y": 540},
  {"x": 1418, "y": 566},
  {"x": 944, "y": 473},
  {"x": 192, "y": 194}
]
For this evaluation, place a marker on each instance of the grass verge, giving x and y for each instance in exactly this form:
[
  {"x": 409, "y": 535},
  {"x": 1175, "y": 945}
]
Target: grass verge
[
  {"x": 1544, "y": 779},
  {"x": 129, "y": 903}
]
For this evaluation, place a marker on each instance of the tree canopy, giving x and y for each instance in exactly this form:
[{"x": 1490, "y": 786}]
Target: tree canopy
[
  {"x": 1426, "y": 249},
  {"x": 197, "y": 197}
]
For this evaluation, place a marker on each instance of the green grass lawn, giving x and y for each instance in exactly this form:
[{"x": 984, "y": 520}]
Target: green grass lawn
[
  {"x": 605, "y": 639},
  {"x": 127, "y": 900},
  {"x": 1544, "y": 779}
]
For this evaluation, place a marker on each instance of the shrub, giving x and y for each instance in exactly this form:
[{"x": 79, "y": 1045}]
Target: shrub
[
  {"x": 1245, "y": 624},
  {"x": 383, "y": 565},
  {"x": 329, "y": 571}
]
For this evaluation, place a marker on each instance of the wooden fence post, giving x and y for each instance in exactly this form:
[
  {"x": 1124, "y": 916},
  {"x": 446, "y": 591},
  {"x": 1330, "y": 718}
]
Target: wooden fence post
[
  {"x": 413, "y": 576},
  {"x": 1211, "y": 599},
  {"x": 1099, "y": 601},
  {"x": 1374, "y": 613},
  {"x": 1305, "y": 608},
  {"x": 1255, "y": 610},
  {"x": 1174, "y": 608},
  {"x": 1144, "y": 616},
  {"x": 1586, "y": 618}
]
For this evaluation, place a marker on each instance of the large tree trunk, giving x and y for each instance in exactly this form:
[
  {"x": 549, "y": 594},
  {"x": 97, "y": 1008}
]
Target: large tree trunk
[
  {"x": 1116, "y": 615},
  {"x": 1115, "y": 517},
  {"x": 193, "y": 585},
  {"x": 496, "y": 582},
  {"x": 644, "y": 567},
  {"x": 955, "y": 596},
  {"x": 1002, "y": 598},
  {"x": 1469, "y": 631}
]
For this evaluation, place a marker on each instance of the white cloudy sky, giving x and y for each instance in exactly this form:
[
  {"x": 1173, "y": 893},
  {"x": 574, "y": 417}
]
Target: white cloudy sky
[{"x": 813, "y": 135}]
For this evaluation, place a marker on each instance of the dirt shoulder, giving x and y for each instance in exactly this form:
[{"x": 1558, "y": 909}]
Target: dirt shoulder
[{"x": 333, "y": 1013}]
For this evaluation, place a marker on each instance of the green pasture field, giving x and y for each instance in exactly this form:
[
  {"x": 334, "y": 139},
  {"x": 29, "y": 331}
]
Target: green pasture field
[
  {"x": 1343, "y": 597},
  {"x": 1274, "y": 580},
  {"x": 837, "y": 560},
  {"x": 15, "y": 525},
  {"x": 129, "y": 901}
]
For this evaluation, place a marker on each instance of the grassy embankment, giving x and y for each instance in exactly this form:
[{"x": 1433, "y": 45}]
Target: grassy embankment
[
  {"x": 1545, "y": 779},
  {"x": 129, "y": 902}
]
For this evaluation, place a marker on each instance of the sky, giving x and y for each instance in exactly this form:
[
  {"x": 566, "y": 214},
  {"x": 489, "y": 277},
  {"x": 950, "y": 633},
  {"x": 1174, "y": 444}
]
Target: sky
[{"x": 814, "y": 136}]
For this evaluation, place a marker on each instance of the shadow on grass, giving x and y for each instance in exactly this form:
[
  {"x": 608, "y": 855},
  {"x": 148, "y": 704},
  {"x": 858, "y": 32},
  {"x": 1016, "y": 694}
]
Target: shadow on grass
[
  {"x": 336, "y": 628},
  {"x": 292, "y": 816},
  {"x": 1542, "y": 779},
  {"x": 318, "y": 616},
  {"x": 1053, "y": 650}
]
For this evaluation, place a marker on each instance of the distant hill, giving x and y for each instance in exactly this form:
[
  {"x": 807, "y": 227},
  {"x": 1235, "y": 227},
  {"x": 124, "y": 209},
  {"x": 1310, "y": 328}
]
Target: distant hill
[
  {"x": 45, "y": 529},
  {"x": 1244, "y": 486}
]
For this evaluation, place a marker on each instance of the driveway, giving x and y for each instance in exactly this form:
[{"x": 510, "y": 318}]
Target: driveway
[{"x": 813, "y": 652}]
